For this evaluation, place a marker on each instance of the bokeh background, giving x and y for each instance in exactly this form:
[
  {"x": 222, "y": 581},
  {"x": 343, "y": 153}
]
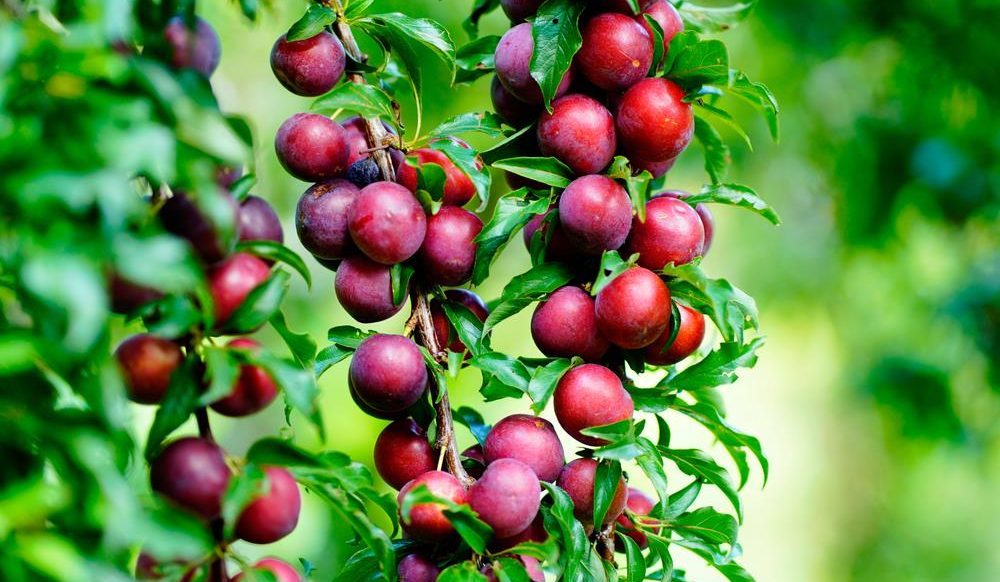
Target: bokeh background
[{"x": 877, "y": 396}]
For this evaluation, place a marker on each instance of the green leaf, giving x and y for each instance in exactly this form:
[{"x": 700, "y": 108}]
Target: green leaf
[
  {"x": 557, "y": 39},
  {"x": 364, "y": 100},
  {"x": 461, "y": 572},
  {"x": 475, "y": 59},
  {"x": 399, "y": 276},
  {"x": 606, "y": 482},
  {"x": 161, "y": 262},
  {"x": 173, "y": 316},
  {"x": 486, "y": 123},
  {"x": 240, "y": 189},
  {"x": 717, "y": 368},
  {"x": 357, "y": 8},
  {"x": 316, "y": 18},
  {"x": 735, "y": 195},
  {"x": 526, "y": 288},
  {"x": 510, "y": 570},
  {"x": 465, "y": 323},
  {"x": 657, "y": 44},
  {"x": 732, "y": 310},
  {"x": 274, "y": 251},
  {"x": 758, "y": 95},
  {"x": 479, "y": 9},
  {"x": 511, "y": 147},
  {"x": 302, "y": 346},
  {"x": 715, "y": 18},
  {"x": 260, "y": 304},
  {"x": 472, "y": 530},
  {"x": 734, "y": 440},
  {"x": 471, "y": 419},
  {"x": 511, "y": 213},
  {"x": 698, "y": 62},
  {"x": 697, "y": 464},
  {"x": 299, "y": 385},
  {"x": 560, "y": 522},
  {"x": 651, "y": 463},
  {"x": 506, "y": 369},
  {"x": 682, "y": 499},
  {"x": 717, "y": 156},
  {"x": 469, "y": 163},
  {"x": 612, "y": 265},
  {"x": 635, "y": 562},
  {"x": 243, "y": 488},
  {"x": 707, "y": 524},
  {"x": 638, "y": 192},
  {"x": 549, "y": 171},
  {"x": 544, "y": 380},
  {"x": 222, "y": 369},
  {"x": 413, "y": 40},
  {"x": 179, "y": 402}
]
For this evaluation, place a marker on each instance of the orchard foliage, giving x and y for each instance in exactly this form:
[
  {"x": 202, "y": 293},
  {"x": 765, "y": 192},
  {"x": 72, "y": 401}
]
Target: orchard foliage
[{"x": 141, "y": 206}]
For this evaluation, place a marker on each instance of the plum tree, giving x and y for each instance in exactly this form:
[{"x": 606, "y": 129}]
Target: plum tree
[
  {"x": 580, "y": 132},
  {"x": 427, "y": 521},
  {"x": 386, "y": 222},
  {"x": 191, "y": 472},
  {"x": 633, "y": 309},
  {"x": 589, "y": 396},
  {"x": 595, "y": 213},
  {"x": 403, "y": 453},
  {"x": 528, "y": 439},
  {"x": 577, "y": 479},
  {"x": 388, "y": 372},
  {"x": 308, "y": 67},
  {"x": 147, "y": 363},
  {"x": 312, "y": 147},
  {"x": 506, "y": 497}
]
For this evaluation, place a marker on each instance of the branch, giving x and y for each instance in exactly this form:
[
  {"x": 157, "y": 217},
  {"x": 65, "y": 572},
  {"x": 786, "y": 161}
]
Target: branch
[{"x": 420, "y": 319}]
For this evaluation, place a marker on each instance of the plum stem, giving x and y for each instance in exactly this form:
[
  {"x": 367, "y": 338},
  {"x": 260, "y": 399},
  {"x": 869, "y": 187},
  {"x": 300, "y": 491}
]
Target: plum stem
[
  {"x": 606, "y": 543},
  {"x": 420, "y": 319}
]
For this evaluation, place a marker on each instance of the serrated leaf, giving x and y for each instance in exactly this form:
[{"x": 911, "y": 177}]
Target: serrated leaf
[
  {"x": 557, "y": 39},
  {"x": 612, "y": 265},
  {"x": 730, "y": 308},
  {"x": 717, "y": 156},
  {"x": 302, "y": 346},
  {"x": 561, "y": 522},
  {"x": 508, "y": 370},
  {"x": 511, "y": 213},
  {"x": 715, "y": 18},
  {"x": 179, "y": 402},
  {"x": 475, "y": 59},
  {"x": 364, "y": 100},
  {"x": 734, "y": 440},
  {"x": 549, "y": 171},
  {"x": 469, "y": 163},
  {"x": 316, "y": 18},
  {"x": 465, "y": 323},
  {"x": 651, "y": 463},
  {"x": 735, "y": 195},
  {"x": 486, "y": 123},
  {"x": 717, "y": 368},
  {"x": 758, "y": 95},
  {"x": 697, "y": 464},
  {"x": 275, "y": 251},
  {"x": 708, "y": 524},
  {"x": 606, "y": 481},
  {"x": 526, "y": 288},
  {"x": 544, "y": 380},
  {"x": 682, "y": 499},
  {"x": 413, "y": 40},
  {"x": 699, "y": 62}
]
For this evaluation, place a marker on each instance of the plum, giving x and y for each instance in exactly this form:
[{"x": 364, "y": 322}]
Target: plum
[{"x": 588, "y": 396}]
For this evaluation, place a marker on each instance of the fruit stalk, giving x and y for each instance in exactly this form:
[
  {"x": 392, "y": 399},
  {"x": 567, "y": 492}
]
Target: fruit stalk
[{"x": 420, "y": 319}]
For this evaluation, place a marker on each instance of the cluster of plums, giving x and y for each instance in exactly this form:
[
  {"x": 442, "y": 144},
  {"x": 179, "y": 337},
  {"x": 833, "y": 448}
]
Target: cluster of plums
[{"x": 192, "y": 473}]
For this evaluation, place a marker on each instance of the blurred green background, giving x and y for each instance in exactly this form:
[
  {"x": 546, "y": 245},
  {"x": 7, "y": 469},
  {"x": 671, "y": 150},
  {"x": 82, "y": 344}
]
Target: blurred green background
[{"x": 877, "y": 396}]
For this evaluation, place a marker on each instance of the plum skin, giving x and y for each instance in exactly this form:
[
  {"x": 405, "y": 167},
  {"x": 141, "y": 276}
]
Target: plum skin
[
  {"x": 191, "y": 472},
  {"x": 444, "y": 332},
  {"x": 513, "y": 65},
  {"x": 417, "y": 568},
  {"x": 587, "y": 396},
  {"x": 512, "y": 110},
  {"x": 254, "y": 389},
  {"x": 459, "y": 188},
  {"x": 321, "y": 219},
  {"x": 595, "y": 212},
  {"x": 564, "y": 325},
  {"x": 577, "y": 479},
  {"x": 181, "y": 216},
  {"x": 580, "y": 132},
  {"x": 653, "y": 122},
  {"x": 506, "y": 497},
  {"x": 664, "y": 14},
  {"x": 427, "y": 521},
  {"x": 308, "y": 67},
  {"x": 690, "y": 335},
  {"x": 364, "y": 289},
  {"x": 448, "y": 252},
  {"x": 672, "y": 232},
  {"x": 273, "y": 515},
  {"x": 312, "y": 147},
  {"x": 640, "y": 504},
  {"x": 529, "y": 439},
  {"x": 616, "y": 52},
  {"x": 387, "y": 223},
  {"x": 198, "y": 49},
  {"x": 258, "y": 221},
  {"x": 147, "y": 362},
  {"x": 231, "y": 281},
  {"x": 283, "y": 571},
  {"x": 518, "y": 10},
  {"x": 633, "y": 309},
  {"x": 388, "y": 372},
  {"x": 403, "y": 453}
]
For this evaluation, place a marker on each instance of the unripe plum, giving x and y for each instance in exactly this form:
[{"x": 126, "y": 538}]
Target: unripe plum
[
  {"x": 283, "y": 571},
  {"x": 388, "y": 372},
  {"x": 529, "y": 439},
  {"x": 448, "y": 252},
  {"x": 232, "y": 280},
  {"x": 564, "y": 326},
  {"x": 579, "y": 132},
  {"x": 387, "y": 223},
  {"x": 258, "y": 221},
  {"x": 273, "y": 515},
  {"x": 364, "y": 290},
  {"x": 182, "y": 217},
  {"x": 577, "y": 479},
  {"x": 192, "y": 473},
  {"x": 633, "y": 309},
  {"x": 417, "y": 568},
  {"x": 640, "y": 504},
  {"x": 198, "y": 49},
  {"x": 616, "y": 52},
  {"x": 589, "y": 396},
  {"x": 506, "y": 497},
  {"x": 664, "y": 14},
  {"x": 427, "y": 521},
  {"x": 321, "y": 219},
  {"x": 312, "y": 147},
  {"x": 512, "y": 110},
  {"x": 595, "y": 212},
  {"x": 518, "y": 10},
  {"x": 458, "y": 187},
  {"x": 308, "y": 67},
  {"x": 403, "y": 453},
  {"x": 445, "y": 333},
  {"x": 513, "y": 65},
  {"x": 672, "y": 233},
  {"x": 653, "y": 121},
  {"x": 690, "y": 334},
  {"x": 254, "y": 388},
  {"x": 147, "y": 363}
]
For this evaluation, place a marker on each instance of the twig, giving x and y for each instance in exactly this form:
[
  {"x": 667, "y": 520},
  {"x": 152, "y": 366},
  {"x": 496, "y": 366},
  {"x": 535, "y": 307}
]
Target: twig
[
  {"x": 204, "y": 427},
  {"x": 606, "y": 543}
]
